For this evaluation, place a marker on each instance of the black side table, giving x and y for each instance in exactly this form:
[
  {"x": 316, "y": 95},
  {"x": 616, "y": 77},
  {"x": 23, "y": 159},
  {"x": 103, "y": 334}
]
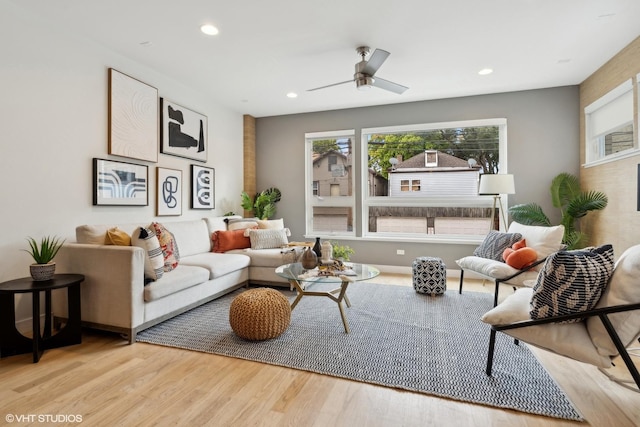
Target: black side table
[{"x": 13, "y": 342}]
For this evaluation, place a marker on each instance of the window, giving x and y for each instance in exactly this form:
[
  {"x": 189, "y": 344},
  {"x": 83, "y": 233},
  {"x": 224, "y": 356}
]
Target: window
[
  {"x": 330, "y": 201},
  {"x": 609, "y": 126},
  {"x": 426, "y": 179}
]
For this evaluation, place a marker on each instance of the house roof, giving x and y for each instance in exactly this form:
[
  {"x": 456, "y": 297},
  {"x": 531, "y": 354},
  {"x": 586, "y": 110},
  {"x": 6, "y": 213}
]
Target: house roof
[{"x": 446, "y": 162}]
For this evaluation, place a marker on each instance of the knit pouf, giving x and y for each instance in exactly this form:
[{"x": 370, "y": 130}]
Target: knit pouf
[
  {"x": 429, "y": 275},
  {"x": 259, "y": 314}
]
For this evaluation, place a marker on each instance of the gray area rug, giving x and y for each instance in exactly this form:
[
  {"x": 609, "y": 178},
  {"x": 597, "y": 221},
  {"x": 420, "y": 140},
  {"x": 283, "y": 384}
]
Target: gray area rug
[{"x": 399, "y": 339}]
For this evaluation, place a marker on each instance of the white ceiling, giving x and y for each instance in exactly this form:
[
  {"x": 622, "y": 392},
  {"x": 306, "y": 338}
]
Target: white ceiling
[{"x": 266, "y": 49}]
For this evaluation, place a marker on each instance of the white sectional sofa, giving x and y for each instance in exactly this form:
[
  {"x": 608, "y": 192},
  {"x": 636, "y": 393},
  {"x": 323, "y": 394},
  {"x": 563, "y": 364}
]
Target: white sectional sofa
[{"x": 115, "y": 297}]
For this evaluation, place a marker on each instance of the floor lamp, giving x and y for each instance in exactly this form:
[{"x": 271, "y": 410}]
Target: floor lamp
[{"x": 495, "y": 185}]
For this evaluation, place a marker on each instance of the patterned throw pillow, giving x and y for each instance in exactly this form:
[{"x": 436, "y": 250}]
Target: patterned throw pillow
[
  {"x": 241, "y": 223},
  {"x": 268, "y": 239},
  {"x": 169, "y": 246},
  {"x": 495, "y": 243},
  {"x": 146, "y": 239},
  {"x": 571, "y": 282}
]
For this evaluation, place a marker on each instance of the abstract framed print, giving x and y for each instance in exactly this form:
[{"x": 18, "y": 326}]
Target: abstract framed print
[
  {"x": 183, "y": 132},
  {"x": 119, "y": 183},
  {"x": 133, "y": 118},
  {"x": 202, "y": 187},
  {"x": 169, "y": 189}
]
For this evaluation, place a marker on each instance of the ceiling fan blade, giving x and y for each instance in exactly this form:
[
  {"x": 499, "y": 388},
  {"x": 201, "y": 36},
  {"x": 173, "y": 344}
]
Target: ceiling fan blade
[
  {"x": 387, "y": 85},
  {"x": 334, "y": 84},
  {"x": 377, "y": 59}
]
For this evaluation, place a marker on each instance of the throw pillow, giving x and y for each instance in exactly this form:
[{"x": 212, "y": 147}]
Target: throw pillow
[
  {"x": 268, "y": 239},
  {"x": 495, "y": 243},
  {"x": 153, "y": 262},
  {"x": 224, "y": 241},
  {"x": 519, "y": 255},
  {"x": 115, "y": 236},
  {"x": 241, "y": 223},
  {"x": 571, "y": 282},
  {"x": 545, "y": 240},
  {"x": 271, "y": 223},
  {"x": 169, "y": 246}
]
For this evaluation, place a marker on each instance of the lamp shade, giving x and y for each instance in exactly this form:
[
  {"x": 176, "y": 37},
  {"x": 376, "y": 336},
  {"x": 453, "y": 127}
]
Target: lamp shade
[{"x": 491, "y": 184}]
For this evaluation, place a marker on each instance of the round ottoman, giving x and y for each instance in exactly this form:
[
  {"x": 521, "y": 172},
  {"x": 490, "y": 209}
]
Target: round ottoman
[
  {"x": 259, "y": 314},
  {"x": 429, "y": 275}
]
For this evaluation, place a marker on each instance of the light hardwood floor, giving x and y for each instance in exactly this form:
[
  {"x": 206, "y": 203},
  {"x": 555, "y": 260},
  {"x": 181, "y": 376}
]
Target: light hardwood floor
[{"x": 109, "y": 383}]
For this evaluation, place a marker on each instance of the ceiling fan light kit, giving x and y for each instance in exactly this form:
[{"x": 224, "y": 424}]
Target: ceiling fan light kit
[{"x": 366, "y": 70}]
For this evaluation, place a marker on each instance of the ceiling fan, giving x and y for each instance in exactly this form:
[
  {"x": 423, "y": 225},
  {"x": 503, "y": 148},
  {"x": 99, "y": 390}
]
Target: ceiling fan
[{"x": 366, "y": 70}]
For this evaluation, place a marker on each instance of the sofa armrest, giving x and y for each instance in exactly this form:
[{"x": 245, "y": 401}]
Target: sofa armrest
[{"x": 113, "y": 289}]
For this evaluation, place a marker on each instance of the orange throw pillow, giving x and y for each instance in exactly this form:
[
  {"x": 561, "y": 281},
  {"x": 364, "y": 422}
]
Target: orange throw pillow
[
  {"x": 521, "y": 258},
  {"x": 224, "y": 241}
]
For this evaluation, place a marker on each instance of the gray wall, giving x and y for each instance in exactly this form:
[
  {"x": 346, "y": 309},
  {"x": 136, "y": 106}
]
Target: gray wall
[{"x": 543, "y": 140}]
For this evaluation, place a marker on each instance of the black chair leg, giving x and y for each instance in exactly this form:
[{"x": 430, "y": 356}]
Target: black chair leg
[
  {"x": 492, "y": 345},
  {"x": 495, "y": 295},
  {"x": 621, "y": 349},
  {"x": 461, "y": 278}
]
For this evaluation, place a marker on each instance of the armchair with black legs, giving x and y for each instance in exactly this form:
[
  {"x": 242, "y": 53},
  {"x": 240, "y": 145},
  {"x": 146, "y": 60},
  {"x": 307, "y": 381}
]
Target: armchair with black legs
[{"x": 595, "y": 335}]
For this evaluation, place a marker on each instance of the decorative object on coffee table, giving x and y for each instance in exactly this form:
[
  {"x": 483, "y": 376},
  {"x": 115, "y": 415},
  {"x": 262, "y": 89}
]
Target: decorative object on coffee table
[
  {"x": 309, "y": 260},
  {"x": 429, "y": 275},
  {"x": 259, "y": 314},
  {"x": 317, "y": 248},
  {"x": 43, "y": 253}
]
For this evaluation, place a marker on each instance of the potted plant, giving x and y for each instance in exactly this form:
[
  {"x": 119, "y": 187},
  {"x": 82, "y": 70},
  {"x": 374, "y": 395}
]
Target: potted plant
[
  {"x": 341, "y": 252},
  {"x": 263, "y": 205},
  {"x": 573, "y": 203},
  {"x": 43, "y": 253}
]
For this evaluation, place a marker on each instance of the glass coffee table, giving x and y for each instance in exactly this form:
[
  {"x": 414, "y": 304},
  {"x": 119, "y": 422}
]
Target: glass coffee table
[{"x": 303, "y": 280}]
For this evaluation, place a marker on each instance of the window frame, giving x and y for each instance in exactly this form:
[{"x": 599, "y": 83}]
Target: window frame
[{"x": 594, "y": 144}]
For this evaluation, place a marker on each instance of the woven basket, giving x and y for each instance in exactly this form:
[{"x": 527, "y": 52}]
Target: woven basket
[{"x": 259, "y": 314}]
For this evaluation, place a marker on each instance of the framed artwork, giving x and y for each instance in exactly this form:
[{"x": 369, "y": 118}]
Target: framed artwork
[
  {"x": 169, "y": 189},
  {"x": 133, "y": 118},
  {"x": 202, "y": 187},
  {"x": 119, "y": 183},
  {"x": 183, "y": 132}
]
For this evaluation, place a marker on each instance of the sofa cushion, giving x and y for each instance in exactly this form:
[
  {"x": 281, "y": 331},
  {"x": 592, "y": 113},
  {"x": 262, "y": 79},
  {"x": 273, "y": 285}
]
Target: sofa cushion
[
  {"x": 153, "y": 261},
  {"x": 571, "y": 282},
  {"x": 217, "y": 264},
  {"x": 270, "y": 257},
  {"x": 192, "y": 236},
  {"x": 168, "y": 245},
  {"x": 215, "y": 223},
  {"x": 96, "y": 234},
  {"x": 241, "y": 223},
  {"x": 623, "y": 288},
  {"x": 226, "y": 240},
  {"x": 495, "y": 269},
  {"x": 182, "y": 277},
  {"x": 495, "y": 243},
  {"x": 569, "y": 339},
  {"x": 277, "y": 224}
]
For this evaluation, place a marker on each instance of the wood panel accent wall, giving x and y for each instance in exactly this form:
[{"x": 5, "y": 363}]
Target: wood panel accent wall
[
  {"x": 249, "y": 152},
  {"x": 619, "y": 222}
]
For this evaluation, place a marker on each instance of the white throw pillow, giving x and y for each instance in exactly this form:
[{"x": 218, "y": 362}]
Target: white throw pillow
[
  {"x": 267, "y": 239},
  {"x": 545, "y": 240},
  {"x": 146, "y": 239},
  {"x": 241, "y": 223},
  {"x": 277, "y": 224}
]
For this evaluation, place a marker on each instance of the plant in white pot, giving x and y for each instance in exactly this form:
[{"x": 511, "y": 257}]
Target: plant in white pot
[{"x": 43, "y": 253}]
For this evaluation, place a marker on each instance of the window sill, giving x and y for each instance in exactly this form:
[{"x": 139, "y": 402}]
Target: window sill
[{"x": 613, "y": 158}]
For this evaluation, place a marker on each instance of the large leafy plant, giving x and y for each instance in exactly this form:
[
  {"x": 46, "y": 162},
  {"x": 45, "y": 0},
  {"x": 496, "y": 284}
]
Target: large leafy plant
[
  {"x": 45, "y": 251},
  {"x": 263, "y": 205},
  {"x": 573, "y": 203}
]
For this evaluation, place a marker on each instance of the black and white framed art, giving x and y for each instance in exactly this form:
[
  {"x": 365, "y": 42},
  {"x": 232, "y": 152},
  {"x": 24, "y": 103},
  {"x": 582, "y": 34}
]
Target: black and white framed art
[
  {"x": 202, "y": 187},
  {"x": 169, "y": 189},
  {"x": 120, "y": 183},
  {"x": 183, "y": 132}
]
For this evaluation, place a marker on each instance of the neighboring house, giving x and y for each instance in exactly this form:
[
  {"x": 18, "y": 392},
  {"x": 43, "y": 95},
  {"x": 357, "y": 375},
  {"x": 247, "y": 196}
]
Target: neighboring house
[{"x": 433, "y": 173}]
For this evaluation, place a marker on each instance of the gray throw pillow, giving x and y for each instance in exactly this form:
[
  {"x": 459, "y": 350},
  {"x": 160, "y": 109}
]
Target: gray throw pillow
[
  {"x": 495, "y": 243},
  {"x": 571, "y": 282}
]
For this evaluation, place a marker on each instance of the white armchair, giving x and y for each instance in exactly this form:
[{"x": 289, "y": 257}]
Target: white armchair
[
  {"x": 544, "y": 240},
  {"x": 594, "y": 336}
]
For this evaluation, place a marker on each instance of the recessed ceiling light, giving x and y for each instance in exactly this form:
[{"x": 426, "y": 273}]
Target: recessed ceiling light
[
  {"x": 292, "y": 95},
  {"x": 209, "y": 29},
  {"x": 485, "y": 71}
]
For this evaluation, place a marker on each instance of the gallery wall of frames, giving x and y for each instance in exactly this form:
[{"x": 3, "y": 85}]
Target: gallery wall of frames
[{"x": 142, "y": 126}]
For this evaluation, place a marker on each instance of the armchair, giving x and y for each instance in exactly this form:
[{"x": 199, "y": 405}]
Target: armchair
[
  {"x": 544, "y": 240},
  {"x": 593, "y": 336}
]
